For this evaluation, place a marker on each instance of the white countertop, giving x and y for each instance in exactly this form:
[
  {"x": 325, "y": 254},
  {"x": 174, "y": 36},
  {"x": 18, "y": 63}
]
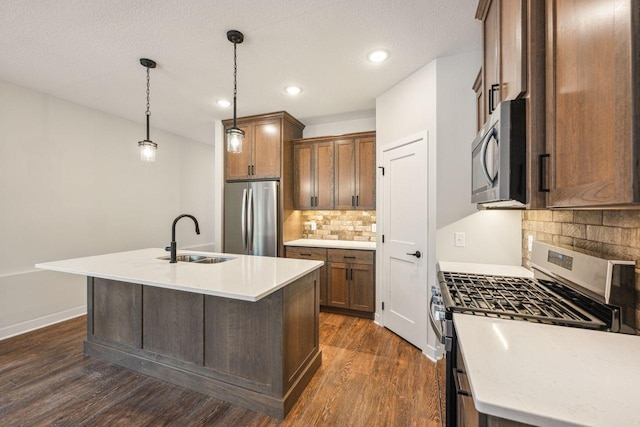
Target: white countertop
[
  {"x": 333, "y": 244},
  {"x": 551, "y": 375},
  {"x": 248, "y": 278},
  {"x": 493, "y": 269}
]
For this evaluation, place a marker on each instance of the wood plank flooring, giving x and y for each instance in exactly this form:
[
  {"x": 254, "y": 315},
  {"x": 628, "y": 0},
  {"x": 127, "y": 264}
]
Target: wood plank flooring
[{"x": 369, "y": 377}]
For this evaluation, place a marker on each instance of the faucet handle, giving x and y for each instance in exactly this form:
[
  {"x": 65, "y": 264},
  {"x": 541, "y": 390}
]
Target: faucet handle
[{"x": 167, "y": 248}]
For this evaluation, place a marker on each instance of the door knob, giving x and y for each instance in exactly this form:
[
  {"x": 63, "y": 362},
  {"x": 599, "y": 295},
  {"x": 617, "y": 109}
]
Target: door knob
[{"x": 416, "y": 254}]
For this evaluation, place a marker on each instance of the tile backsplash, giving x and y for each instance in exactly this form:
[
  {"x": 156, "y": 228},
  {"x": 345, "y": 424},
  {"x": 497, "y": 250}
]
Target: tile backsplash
[
  {"x": 601, "y": 233},
  {"x": 339, "y": 225}
]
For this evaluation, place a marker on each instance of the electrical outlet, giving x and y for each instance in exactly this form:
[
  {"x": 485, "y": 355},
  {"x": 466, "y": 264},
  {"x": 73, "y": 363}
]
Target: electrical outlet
[
  {"x": 459, "y": 240},
  {"x": 529, "y": 242},
  {"x": 373, "y": 228},
  {"x": 313, "y": 226}
]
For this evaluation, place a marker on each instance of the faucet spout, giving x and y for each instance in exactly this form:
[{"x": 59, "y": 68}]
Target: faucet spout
[{"x": 173, "y": 247}]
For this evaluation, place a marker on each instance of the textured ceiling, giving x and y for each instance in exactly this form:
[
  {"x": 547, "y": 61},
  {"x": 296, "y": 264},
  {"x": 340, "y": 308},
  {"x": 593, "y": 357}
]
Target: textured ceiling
[{"x": 87, "y": 51}]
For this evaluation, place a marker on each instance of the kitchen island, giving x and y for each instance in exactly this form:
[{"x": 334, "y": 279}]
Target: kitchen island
[{"x": 245, "y": 330}]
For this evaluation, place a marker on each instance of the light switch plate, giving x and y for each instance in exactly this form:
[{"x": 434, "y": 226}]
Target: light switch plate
[
  {"x": 313, "y": 226},
  {"x": 529, "y": 242},
  {"x": 373, "y": 228},
  {"x": 459, "y": 240}
]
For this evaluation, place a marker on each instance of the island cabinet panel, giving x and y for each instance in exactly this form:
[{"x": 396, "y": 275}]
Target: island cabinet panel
[
  {"x": 301, "y": 316},
  {"x": 243, "y": 339},
  {"x": 117, "y": 313},
  {"x": 260, "y": 355},
  {"x": 173, "y": 323}
]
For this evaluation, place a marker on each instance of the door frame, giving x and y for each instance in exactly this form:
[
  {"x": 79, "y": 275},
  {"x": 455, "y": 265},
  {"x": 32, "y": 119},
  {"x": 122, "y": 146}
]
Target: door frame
[{"x": 431, "y": 349}]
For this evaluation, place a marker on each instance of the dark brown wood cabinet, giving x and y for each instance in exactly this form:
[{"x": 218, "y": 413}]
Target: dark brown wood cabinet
[
  {"x": 313, "y": 175},
  {"x": 514, "y": 67},
  {"x": 335, "y": 172},
  {"x": 316, "y": 254},
  {"x": 355, "y": 173},
  {"x": 593, "y": 101},
  {"x": 504, "y": 41},
  {"x": 467, "y": 415},
  {"x": 351, "y": 283},
  {"x": 263, "y": 146}
]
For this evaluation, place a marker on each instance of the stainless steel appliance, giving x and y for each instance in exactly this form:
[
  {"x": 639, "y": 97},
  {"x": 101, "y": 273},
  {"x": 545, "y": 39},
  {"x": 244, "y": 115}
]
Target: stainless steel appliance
[
  {"x": 498, "y": 155},
  {"x": 569, "y": 289},
  {"x": 251, "y": 218}
]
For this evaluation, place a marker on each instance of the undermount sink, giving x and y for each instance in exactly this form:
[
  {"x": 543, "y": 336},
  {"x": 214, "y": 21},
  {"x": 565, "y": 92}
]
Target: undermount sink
[{"x": 198, "y": 259}]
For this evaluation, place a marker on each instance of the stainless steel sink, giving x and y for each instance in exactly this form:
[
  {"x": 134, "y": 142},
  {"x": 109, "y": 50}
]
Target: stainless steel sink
[{"x": 198, "y": 259}]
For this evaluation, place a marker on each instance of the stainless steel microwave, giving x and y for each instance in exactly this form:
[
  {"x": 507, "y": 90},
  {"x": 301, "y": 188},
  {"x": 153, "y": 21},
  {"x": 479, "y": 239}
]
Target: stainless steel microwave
[{"x": 498, "y": 158}]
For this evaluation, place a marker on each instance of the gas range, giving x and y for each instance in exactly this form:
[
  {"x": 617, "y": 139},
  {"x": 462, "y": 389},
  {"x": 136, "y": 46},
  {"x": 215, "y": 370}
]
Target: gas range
[
  {"x": 568, "y": 289},
  {"x": 534, "y": 300}
]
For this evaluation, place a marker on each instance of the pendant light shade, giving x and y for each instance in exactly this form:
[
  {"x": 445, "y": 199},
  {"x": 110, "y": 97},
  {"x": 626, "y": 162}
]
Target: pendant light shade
[
  {"x": 235, "y": 135},
  {"x": 147, "y": 147}
]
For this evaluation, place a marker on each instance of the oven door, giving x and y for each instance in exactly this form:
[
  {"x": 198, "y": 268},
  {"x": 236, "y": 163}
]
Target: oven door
[{"x": 485, "y": 167}]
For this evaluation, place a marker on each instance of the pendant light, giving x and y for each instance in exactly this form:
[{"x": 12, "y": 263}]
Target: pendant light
[
  {"x": 235, "y": 135},
  {"x": 147, "y": 147}
]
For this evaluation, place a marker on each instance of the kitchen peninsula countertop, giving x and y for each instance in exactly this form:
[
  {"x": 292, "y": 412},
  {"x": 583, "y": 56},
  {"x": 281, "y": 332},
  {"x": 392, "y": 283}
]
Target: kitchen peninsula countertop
[
  {"x": 332, "y": 244},
  {"x": 248, "y": 278}
]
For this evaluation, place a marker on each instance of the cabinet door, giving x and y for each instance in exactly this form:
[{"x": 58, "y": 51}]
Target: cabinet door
[
  {"x": 338, "y": 285},
  {"x": 237, "y": 164},
  {"x": 303, "y": 182},
  {"x": 478, "y": 88},
  {"x": 344, "y": 196},
  {"x": 513, "y": 68},
  {"x": 361, "y": 288},
  {"x": 366, "y": 173},
  {"x": 491, "y": 63},
  {"x": 590, "y": 103},
  {"x": 324, "y": 175},
  {"x": 266, "y": 149}
]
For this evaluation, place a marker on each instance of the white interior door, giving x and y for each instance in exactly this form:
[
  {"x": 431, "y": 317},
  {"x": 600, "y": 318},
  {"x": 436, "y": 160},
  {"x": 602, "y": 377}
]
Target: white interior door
[{"x": 405, "y": 258}]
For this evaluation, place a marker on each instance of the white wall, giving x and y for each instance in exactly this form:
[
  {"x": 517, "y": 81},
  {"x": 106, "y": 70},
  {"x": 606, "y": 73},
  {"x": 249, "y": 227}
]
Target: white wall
[
  {"x": 72, "y": 185},
  {"x": 438, "y": 98},
  {"x": 340, "y": 127}
]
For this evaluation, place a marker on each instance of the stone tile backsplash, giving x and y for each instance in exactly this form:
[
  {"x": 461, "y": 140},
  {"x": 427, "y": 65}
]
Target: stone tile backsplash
[
  {"x": 339, "y": 225},
  {"x": 601, "y": 233}
]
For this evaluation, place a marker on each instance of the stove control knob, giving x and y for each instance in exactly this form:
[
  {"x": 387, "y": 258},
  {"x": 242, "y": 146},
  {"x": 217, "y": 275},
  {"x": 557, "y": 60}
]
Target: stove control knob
[
  {"x": 437, "y": 299},
  {"x": 435, "y": 291},
  {"x": 439, "y": 314}
]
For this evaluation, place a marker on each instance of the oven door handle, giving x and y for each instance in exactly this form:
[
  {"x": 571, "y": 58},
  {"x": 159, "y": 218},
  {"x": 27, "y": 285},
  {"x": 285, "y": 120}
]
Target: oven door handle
[{"x": 438, "y": 330}]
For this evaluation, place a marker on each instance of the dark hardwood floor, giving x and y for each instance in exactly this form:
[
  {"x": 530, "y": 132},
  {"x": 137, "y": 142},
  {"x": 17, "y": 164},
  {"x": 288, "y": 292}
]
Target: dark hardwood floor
[{"x": 369, "y": 377}]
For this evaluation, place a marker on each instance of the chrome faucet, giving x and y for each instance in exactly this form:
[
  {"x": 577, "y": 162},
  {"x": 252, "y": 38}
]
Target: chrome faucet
[{"x": 173, "y": 246}]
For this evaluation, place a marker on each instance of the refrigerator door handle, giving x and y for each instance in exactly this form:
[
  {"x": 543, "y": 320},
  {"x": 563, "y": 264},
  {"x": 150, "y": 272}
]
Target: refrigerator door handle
[
  {"x": 250, "y": 222},
  {"x": 244, "y": 219}
]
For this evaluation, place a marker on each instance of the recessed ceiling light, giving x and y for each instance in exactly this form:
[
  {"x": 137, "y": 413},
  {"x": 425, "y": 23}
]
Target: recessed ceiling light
[
  {"x": 223, "y": 103},
  {"x": 293, "y": 90},
  {"x": 378, "y": 56}
]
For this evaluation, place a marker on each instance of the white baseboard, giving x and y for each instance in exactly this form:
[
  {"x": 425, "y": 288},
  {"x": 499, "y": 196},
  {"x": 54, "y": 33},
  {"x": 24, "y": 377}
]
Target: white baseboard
[
  {"x": 41, "y": 322},
  {"x": 432, "y": 354}
]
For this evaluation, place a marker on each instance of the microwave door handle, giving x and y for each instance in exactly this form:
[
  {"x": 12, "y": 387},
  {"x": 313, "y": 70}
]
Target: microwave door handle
[{"x": 483, "y": 157}]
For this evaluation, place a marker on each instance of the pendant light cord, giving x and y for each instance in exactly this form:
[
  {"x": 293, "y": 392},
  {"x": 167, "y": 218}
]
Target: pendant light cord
[
  {"x": 235, "y": 81},
  {"x": 148, "y": 113}
]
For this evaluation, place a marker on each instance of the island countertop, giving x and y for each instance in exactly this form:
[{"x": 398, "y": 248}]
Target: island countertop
[{"x": 245, "y": 277}]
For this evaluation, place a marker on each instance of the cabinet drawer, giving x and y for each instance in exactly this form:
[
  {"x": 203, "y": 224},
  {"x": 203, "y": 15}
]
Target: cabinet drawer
[
  {"x": 317, "y": 254},
  {"x": 350, "y": 256}
]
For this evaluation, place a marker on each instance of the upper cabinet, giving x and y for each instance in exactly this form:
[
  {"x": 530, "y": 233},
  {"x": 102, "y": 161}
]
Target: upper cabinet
[
  {"x": 504, "y": 46},
  {"x": 263, "y": 146},
  {"x": 313, "y": 175},
  {"x": 513, "y": 67},
  {"x": 335, "y": 172},
  {"x": 593, "y": 100}
]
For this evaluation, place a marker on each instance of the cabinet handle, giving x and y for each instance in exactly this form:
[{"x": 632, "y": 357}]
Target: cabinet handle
[
  {"x": 457, "y": 381},
  {"x": 492, "y": 104},
  {"x": 542, "y": 173},
  {"x": 353, "y": 201},
  {"x": 357, "y": 200},
  {"x": 315, "y": 201},
  {"x": 311, "y": 201},
  {"x": 249, "y": 170},
  {"x": 490, "y": 99},
  {"x": 349, "y": 257},
  {"x": 253, "y": 169},
  {"x": 346, "y": 274},
  {"x": 305, "y": 254}
]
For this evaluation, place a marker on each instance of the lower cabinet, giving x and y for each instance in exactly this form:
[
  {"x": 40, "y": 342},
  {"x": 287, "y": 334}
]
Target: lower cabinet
[
  {"x": 347, "y": 280},
  {"x": 351, "y": 279},
  {"x": 315, "y": 254},
  {"x": 467, "y": 414}
]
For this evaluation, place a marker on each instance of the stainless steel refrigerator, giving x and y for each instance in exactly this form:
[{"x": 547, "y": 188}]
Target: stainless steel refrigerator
[{"x": 251, "y": 218}]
